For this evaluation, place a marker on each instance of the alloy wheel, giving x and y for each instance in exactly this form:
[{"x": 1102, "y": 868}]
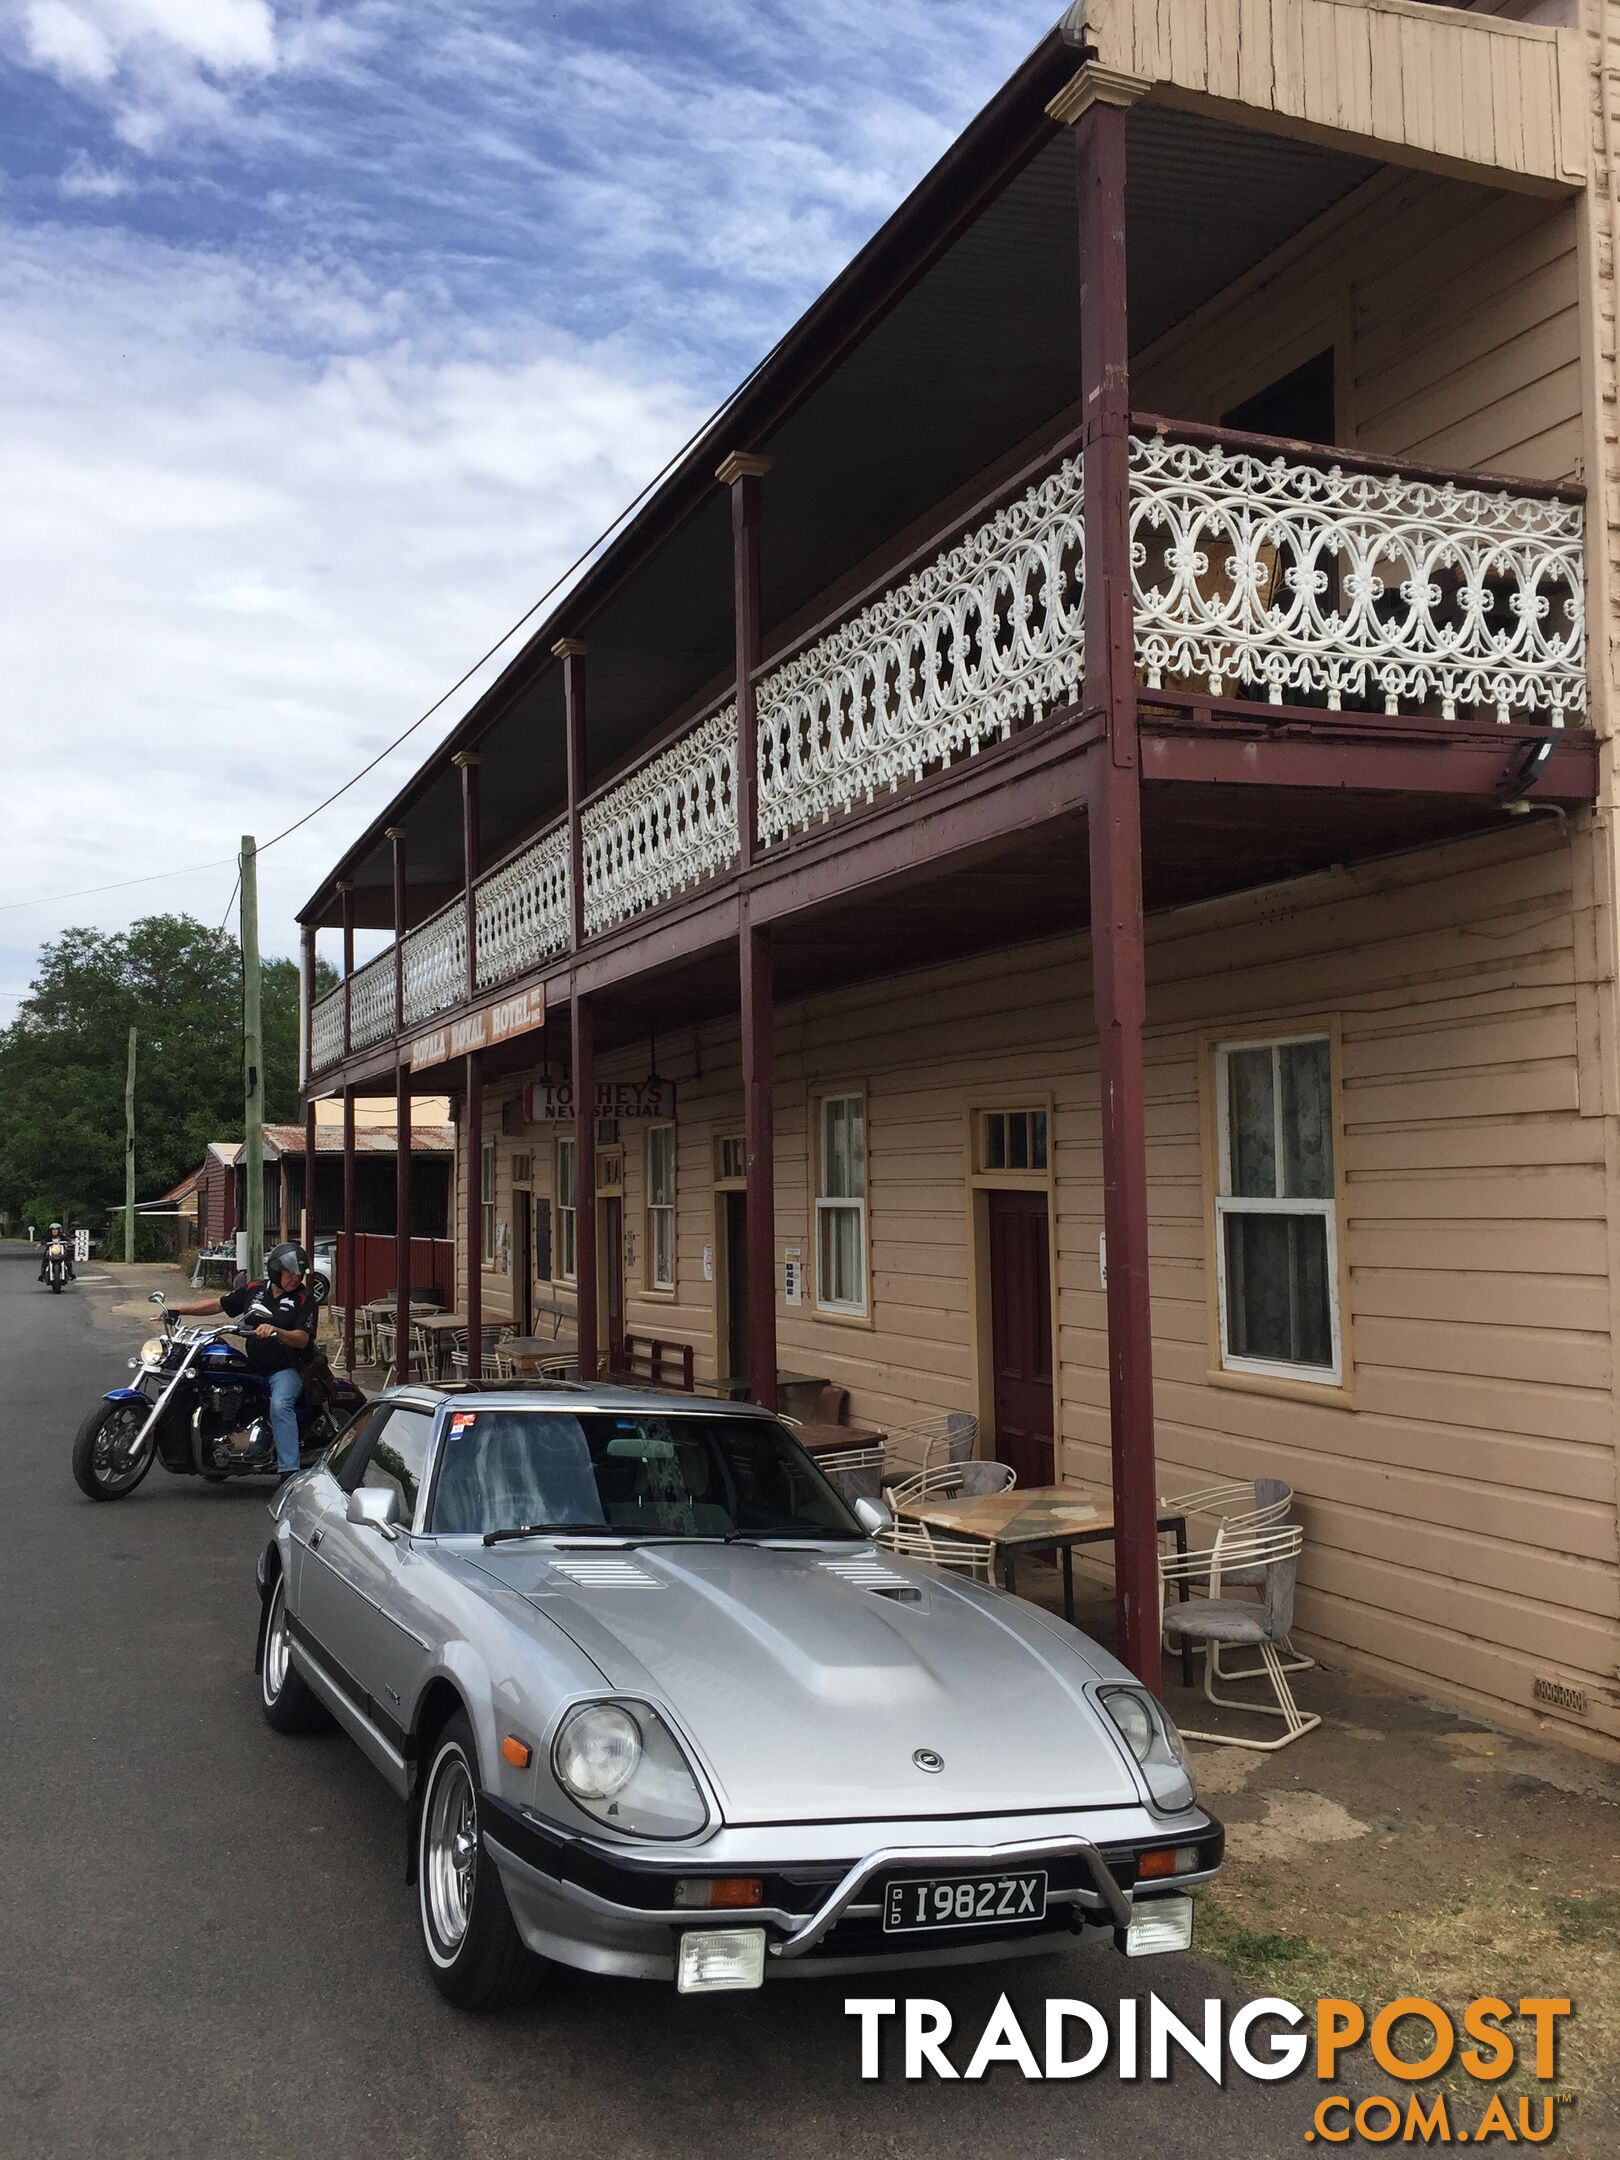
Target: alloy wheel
[{"x": 450, "y": 1851}]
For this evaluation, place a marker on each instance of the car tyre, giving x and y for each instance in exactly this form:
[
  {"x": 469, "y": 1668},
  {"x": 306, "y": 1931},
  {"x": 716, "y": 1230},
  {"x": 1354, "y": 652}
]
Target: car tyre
[
  {"x": 288, "y": 1701},
  {"x": 90, "y": 1473},
  {"x": 475, "y": 1955}
]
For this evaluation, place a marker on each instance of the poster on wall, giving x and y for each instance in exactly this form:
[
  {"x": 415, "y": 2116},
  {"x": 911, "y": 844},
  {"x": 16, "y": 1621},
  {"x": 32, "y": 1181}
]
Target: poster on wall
[{"x": 552, "y": 1101}]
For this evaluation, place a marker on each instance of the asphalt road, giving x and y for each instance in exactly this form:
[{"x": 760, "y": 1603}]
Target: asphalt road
[{"x": 206, "y": 1943}]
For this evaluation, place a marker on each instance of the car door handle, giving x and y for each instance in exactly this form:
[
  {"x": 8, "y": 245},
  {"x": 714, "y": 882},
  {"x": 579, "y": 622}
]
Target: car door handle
[{"x": 315, "y": 1537}]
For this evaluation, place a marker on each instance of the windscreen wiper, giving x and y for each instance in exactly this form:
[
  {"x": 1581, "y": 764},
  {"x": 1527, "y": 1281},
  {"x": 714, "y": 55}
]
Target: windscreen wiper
[{"x": 559, "y": 1529}]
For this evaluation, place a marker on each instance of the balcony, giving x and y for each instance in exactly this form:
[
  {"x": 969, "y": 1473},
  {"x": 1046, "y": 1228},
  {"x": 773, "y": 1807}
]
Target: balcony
[{"x": 1265, "y": 576}]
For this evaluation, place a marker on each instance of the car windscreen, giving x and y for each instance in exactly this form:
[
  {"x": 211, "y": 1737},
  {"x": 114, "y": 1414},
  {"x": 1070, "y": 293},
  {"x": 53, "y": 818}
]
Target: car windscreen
[{"x": 685, "y": 1475}]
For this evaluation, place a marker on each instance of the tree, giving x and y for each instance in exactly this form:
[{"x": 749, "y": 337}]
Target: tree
[{"x": 179, "y": 983}]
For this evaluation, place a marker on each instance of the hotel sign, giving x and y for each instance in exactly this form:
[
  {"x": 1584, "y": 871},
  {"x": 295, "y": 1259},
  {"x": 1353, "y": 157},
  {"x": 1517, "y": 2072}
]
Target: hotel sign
[
  {"x": 552, "y": 1101},
  {"x": 481, "y": 1030}
]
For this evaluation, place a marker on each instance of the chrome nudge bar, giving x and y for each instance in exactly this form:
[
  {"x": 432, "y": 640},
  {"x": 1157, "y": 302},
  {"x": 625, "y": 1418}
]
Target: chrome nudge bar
[{"x": 989, "y": 1857}]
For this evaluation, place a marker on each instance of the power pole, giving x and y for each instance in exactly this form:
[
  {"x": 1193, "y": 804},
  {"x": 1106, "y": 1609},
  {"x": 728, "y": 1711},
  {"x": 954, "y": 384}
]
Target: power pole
[
  {"x": 129, "y": 1155},
  {"x": 252, "y": 1064}
]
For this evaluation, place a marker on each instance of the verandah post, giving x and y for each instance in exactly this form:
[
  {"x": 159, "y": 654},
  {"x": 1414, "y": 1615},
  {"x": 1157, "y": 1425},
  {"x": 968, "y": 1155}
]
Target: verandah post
[
  {"x": 742, "y": 473},
  {"x": 584, "y": 1069},
  {"x": 1096, "y": 103},
  {"x": 472, "y": 1158},
  {"x": 346, "y": 889},
  {"x": 402, "y": 1127},
  {"x": 351, "y": 1296}
]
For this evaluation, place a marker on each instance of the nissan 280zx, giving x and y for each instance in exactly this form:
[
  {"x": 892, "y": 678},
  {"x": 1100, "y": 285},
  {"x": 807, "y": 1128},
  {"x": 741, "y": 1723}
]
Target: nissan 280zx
[{"x": 658, "y": 1707}]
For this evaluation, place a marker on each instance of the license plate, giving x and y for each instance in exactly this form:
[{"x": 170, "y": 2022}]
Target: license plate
[{"x": 952, "y": 1901}]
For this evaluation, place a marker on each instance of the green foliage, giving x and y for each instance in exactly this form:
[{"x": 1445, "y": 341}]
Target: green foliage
[{"x": 62, "y": 1064}]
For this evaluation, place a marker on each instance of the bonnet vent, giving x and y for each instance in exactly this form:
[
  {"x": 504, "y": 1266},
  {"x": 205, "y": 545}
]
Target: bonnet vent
[{"x": 603, "y": 1571}]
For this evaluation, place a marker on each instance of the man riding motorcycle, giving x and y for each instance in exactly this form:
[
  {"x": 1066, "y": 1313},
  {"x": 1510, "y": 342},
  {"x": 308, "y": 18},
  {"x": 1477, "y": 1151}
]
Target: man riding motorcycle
[
  {"x": 55, "y": 1233},
  {"x": 282, "y": 1322}
]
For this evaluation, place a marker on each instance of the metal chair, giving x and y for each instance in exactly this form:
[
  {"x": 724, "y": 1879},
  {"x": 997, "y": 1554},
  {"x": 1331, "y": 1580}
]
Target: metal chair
[
  {"x": 857, "y": 1471},
  {"x": 1234, "y": 1506},
  {"x": 1269, "y": 1553},
  {"x": 952, "y": 1481},
  {"x": 949, "y": 1438},
  {"x": 965, "y": 1556}
]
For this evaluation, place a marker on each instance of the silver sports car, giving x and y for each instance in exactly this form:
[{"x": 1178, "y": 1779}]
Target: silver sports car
[{"x": 658, "y": 1706}]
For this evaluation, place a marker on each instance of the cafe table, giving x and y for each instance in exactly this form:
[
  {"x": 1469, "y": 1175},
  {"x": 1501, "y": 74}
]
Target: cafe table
[
  {"x": 1036, "y": 1518},
  {"x": 527, "y": 1350},
  {"x": 434, "y": 1324}
]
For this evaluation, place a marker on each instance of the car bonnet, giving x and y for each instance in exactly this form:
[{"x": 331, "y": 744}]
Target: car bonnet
[{"x": 825, "y": 1683}]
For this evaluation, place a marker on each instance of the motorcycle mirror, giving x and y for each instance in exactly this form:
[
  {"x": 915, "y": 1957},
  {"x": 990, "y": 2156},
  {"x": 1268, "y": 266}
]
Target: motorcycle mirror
[{"x": 154, "y": 1297}]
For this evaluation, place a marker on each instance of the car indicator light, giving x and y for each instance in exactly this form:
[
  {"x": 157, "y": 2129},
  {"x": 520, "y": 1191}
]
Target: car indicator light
[
  {"x": 1168, "y": 1860},
  {"x": 516, "y": 1752},
  {"x": 719, "y": 1890}
]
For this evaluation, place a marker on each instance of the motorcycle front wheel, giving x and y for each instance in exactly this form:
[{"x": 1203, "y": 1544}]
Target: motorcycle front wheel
[{"x": 106, "y": 1463}]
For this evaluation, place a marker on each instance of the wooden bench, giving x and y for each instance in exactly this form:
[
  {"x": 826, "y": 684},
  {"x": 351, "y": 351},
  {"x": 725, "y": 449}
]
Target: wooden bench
[{"x": 648, "y": 1362}]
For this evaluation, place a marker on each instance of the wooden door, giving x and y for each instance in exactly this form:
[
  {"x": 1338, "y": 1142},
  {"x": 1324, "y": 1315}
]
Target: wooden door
[
  {"x": 523, "y": 1261},
  {"x": 611, "y": 1279},
  {"x": 1021, "y": 1333},
  {"x": 737, "y": 1283}
]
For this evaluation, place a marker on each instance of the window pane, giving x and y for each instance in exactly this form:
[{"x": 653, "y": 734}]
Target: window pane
[
  {"x": 1277, "y": 1304},
  {"x": 662, "y": 1226},
  {"x": 1018, "y": 1137},
  {"x": 398, "y": 1456},
  {"x": 995, "y": 1140},
  {"x": 841, "y": 1258},
  {"x": 565, "y": 1173},
  {"x": 661, "y": 1166},
  {"x": 857, "y": 1147},
  {"x": 1037, "y": 1140},
  {"x": 835, "y": 1148},
  {"x": 1307, "y": 1104},
  {"x": 1251, "y": 1113}
]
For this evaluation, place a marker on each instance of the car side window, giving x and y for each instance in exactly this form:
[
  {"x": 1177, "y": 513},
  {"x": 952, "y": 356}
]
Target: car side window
[
  {"x": 345, "y": 1457},
  {"x": 398, "y": 1457}
]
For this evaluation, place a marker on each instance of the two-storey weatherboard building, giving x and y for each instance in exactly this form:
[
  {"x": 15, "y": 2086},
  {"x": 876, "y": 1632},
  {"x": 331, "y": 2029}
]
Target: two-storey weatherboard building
[{"x": 1062, "y": 865}]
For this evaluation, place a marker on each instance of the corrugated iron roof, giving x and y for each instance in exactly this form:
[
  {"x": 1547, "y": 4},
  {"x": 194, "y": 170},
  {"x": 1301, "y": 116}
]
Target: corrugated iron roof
[{"x": 368, "y": 1140}]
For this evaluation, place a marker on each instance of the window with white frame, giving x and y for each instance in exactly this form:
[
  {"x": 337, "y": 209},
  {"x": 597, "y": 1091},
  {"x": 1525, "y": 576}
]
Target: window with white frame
[
  {"x": 1276, "y": 1215},
  {"x": 841, "y": 1205},
  {"x": 486, "y": 1201},
  {"x": 661, "y": 1207},
  {"x": 567, "y": 1218}
]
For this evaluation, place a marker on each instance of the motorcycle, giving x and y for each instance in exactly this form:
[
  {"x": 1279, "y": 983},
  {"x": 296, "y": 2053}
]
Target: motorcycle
[
  {"x": 56, "y": 1264},
  {"x": 197, "y": 1394}
]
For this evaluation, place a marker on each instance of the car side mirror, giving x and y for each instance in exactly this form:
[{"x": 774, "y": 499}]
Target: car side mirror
[
  {"x": 155, "y": 1297},
  {"x": 375, "y": 1507},
  {"x": 874, "y": 1516}
]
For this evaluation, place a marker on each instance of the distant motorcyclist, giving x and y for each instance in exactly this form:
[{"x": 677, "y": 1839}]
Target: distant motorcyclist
[
  {"x": 282, "y": 1320},
  {"x": 52, "y": 1236}
]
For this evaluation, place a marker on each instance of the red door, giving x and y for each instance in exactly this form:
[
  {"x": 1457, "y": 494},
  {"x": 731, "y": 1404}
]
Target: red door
[{"x": 1021, "y": 1333}]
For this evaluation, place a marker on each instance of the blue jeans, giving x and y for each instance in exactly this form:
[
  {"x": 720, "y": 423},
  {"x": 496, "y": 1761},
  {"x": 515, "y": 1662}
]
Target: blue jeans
[{"x": 285, "y": 1388}]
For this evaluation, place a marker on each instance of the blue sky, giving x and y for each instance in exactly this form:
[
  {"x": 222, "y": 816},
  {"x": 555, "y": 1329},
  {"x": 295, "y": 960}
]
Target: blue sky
[{"x": 330, "y": 330}]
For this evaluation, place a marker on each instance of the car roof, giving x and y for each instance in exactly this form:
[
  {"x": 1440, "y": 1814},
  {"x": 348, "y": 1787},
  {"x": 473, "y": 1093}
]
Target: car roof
[{"x": 432, "y": 1395}]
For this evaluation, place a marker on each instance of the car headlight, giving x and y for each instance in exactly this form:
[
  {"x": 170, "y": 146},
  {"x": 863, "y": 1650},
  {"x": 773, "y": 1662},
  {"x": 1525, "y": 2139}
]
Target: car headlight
[
  {"x": 621, "y": 1763},
  {"x": 1149, "y": 1731},
  {"x": 152, "y": 1352}
]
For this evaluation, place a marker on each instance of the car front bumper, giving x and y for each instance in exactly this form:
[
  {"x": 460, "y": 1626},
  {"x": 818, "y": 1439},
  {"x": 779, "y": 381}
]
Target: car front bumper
[{"x": 606, "y": 1910}]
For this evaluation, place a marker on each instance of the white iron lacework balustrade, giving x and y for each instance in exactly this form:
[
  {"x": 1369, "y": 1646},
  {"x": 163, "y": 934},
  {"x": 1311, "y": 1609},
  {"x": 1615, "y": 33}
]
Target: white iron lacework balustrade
[
  {"x": 371, "y": 1001},
  {"x": 326, "y": 1031},
  {"x": 523, "y": 910},
  {"x": 984, "y": 636},
  {"x": 436, "y": 963},
  {"x": 666, "y": 825},
  {"x": 1265, "y": 577}
]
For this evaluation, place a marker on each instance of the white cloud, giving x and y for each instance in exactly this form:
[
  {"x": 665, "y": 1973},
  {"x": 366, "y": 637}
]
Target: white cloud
[
  {"x": 83, "y": 180},
  {"x": 233, "y": 573}
]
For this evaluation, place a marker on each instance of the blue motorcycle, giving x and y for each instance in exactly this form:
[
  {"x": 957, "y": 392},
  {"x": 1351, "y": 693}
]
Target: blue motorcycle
[{"x": 201, "y": 1410}]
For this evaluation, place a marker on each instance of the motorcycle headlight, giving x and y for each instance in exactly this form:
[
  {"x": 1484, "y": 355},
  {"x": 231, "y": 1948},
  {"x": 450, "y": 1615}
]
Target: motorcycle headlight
[
  {"x": 152, "y": 1351},
  {"x": 1149, "y": 1731},
  {"x": 622, "y": 1764}
]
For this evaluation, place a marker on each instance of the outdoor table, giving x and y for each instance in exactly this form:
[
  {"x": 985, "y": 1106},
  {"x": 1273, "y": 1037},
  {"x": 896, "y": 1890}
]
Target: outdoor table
[
  {"x": 435, "y": 1324},
  {"x": 525, "y": 1350},
  {"x": 734, "y": 1386},
  {"x": 1032, "y": 1518},
  {"x": 819, "y": 1439}
]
